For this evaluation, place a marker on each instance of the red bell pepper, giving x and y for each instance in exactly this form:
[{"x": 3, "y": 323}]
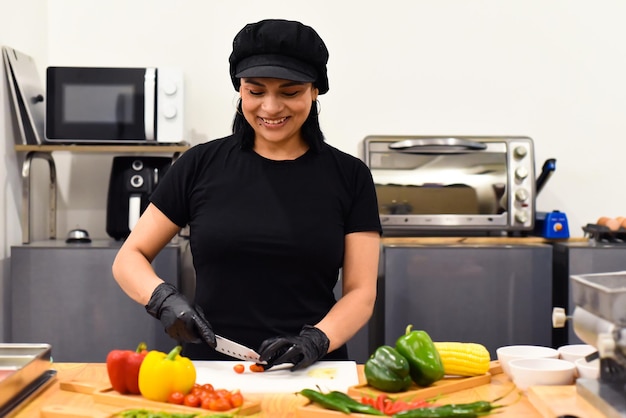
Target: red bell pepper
[{"x": 123, "y": 368}]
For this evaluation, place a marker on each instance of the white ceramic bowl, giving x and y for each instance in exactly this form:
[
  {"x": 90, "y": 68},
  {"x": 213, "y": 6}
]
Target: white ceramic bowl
[
  {"x": 511, "y": 352},
  {"x": 573, "y": 352},
  {"x": 588, "y": 370},
  {"x": 541, "y": 372}
]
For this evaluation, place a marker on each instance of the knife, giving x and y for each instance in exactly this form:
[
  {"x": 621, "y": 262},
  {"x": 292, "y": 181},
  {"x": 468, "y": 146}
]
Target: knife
[{"x": 236, "y": 350}]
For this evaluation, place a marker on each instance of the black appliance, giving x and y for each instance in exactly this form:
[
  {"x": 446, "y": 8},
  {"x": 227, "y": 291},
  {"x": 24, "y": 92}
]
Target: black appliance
[{"x": 132, "y": 181}]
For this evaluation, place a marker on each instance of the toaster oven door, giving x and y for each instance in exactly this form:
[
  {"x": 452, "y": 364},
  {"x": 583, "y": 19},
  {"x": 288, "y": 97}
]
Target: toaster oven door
[{"x": 467, "y": 188}]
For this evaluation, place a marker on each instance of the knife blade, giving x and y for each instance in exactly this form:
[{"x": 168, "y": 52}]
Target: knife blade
[{"x": 236, "y": 350}]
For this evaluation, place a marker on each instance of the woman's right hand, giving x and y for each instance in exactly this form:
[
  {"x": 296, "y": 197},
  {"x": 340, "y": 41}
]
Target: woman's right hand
[{"x": 182, "y": 322}]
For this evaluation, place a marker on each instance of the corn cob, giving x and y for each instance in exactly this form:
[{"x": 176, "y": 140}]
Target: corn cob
[{"x": 463, "y": 359}]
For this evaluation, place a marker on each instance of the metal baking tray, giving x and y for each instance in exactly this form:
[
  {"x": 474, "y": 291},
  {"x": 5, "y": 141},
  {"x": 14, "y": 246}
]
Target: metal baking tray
[
  {"x": 20, "y": 366},
  {"x": 603, "y": 294}
]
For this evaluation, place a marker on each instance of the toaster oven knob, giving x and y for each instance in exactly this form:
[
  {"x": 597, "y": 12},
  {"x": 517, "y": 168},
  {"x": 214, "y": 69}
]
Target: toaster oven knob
[
  {"x": 520, "y": 151},
  {"x": 521, "y": 173},
  {"x": 521, "y": 217},
  {"x": 521, "y": 195}
]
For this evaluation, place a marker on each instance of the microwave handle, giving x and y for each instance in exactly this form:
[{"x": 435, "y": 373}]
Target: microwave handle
[
  {"x": 437, "y": 145},
  {"x": 150, "y": 103}
]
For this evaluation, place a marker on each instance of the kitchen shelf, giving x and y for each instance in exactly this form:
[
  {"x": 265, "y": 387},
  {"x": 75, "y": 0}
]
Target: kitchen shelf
[
  {"x": 45, "y": 152},
  {"x": 161, "y": 148}
]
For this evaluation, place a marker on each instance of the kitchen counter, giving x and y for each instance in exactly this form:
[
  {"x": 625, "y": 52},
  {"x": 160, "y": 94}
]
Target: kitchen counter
[
  {"x": 478, "y": 240},
  {"x": 553, "y": 401}
]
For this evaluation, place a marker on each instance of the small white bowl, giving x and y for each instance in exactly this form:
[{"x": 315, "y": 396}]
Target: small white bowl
[
  {"x": 511, "y": 352},
  {"x": 542, "y": 372},
  {"x": 573, "y": 352},
  {"x": 588, "y": 370}
]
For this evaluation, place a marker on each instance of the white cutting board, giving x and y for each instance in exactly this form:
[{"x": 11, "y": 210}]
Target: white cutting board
[{"x": 328, "y": 375}]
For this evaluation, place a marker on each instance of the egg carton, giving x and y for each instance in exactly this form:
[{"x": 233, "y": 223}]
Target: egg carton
[{"x": 603, "y": 234}]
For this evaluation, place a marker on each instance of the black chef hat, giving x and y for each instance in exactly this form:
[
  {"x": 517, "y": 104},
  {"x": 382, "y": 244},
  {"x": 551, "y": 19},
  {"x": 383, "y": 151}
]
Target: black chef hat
[{"x": 279, "y": 48}]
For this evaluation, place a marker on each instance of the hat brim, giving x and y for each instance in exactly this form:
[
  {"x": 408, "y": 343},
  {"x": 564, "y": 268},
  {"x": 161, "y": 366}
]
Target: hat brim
[
  {"x": 276, "y": 66},
  {"x": 275, "y": 72}
]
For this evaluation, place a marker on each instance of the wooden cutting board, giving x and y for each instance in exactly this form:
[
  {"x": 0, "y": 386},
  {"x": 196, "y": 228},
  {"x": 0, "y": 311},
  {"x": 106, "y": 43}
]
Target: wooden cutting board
[
  {"x": 554, "y": 401},
  {"x": 448, "y": 384},
  {"x": 108, "y": 396}
]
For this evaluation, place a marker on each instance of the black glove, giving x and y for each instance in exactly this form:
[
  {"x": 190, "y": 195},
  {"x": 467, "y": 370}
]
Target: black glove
[
  {"x": 182, "y": 322},
  {"x": 302, "y": 350}
]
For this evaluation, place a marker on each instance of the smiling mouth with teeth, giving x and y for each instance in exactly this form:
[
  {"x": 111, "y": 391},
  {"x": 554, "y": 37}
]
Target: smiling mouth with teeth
[{"x": 273, "y": 121}]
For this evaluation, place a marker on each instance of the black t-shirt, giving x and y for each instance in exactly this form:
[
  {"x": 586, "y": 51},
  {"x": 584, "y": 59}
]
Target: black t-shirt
[{"x": 267, "y": 237}]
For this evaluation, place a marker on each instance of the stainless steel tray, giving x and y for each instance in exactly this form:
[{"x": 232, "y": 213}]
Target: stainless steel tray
[
  {"x": 21, "y": 365},
  {"x": 603, "y": 294}
]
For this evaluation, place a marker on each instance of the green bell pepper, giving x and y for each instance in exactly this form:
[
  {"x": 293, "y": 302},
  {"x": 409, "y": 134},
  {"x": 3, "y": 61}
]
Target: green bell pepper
[
  {"x": 387, "y": 370},
  {"x": 424, "y": 361}
]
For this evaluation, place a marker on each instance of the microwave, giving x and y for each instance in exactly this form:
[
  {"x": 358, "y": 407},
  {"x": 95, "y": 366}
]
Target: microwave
[
  {"x": 453, "y": 185},
  {"x": 114, "y": 105}
]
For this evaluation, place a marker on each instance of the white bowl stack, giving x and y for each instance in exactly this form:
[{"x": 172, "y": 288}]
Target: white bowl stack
[{"x": 512, "y": 352}]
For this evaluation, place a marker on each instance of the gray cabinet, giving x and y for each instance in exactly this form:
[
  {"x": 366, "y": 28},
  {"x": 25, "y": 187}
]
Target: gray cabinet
[
  {"x": 65, "y": 295},
  {"x": 495, "y": 295},
  {"x": 573, "y": 258}
]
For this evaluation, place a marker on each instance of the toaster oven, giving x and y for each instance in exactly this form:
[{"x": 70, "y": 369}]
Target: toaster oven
[{"x": 450, "y": 185}]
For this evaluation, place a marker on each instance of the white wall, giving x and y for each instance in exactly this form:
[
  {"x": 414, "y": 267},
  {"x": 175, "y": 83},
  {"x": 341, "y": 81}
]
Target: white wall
[
  {"x": 23, "y": 26},
  {"x": 552, "y": 70}
]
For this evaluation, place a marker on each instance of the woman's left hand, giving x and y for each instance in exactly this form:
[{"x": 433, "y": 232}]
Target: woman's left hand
[{"x": 301, "y": 350}]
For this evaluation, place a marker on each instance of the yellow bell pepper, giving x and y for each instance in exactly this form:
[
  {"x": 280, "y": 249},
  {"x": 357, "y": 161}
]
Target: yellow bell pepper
[{"x": 162, "y": 374}]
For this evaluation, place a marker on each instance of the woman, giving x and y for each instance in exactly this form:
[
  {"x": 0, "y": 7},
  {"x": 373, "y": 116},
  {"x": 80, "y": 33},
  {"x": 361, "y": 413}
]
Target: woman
[{"x": 274, "y": 214}]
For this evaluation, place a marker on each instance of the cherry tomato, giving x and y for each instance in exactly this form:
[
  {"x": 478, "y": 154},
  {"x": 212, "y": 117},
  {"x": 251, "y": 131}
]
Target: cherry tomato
[
  {"x": 220, "y": 404},
  {"x": 196, "y": 390},
  {"x": 207, "y": 387},
  {"x": 222, "y": 393},
  {"x": 206, "y": 403},
  {"x": 205, "y": 394},
  {"x": 236, "y": 399},
  {"x": 176, "y": 398},
  {"x": 239, "y": 368},
  {"x": 257, "y": 368},
  {"x": 191, "y": 400}
]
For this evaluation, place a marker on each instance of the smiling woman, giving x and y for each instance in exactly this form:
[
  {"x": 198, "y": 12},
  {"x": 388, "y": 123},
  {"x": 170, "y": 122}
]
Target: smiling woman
[
  {"x": 276, "y": 109},
  {"x": 274, "y": 213}
]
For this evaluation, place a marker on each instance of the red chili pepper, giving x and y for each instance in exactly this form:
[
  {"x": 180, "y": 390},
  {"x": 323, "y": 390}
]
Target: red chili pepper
[
  {"x": 419, "y": 403},
  {"x": 380, "y": 402},
  {"x": 123, "y": 368},
  {"x": 388, "y": 406},
  {"x": 396, "y": 407}
]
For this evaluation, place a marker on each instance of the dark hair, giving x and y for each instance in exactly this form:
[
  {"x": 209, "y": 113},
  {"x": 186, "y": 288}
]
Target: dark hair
[{"x": 311, "y": 131}]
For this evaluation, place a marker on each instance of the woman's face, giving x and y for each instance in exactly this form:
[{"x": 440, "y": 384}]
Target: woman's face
[{"x": 276, "y": 108}]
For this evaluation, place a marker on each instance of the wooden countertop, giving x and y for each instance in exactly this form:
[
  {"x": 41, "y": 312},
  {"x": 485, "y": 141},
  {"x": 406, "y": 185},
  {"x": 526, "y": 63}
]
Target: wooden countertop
[{"x": 553, "y": 402}]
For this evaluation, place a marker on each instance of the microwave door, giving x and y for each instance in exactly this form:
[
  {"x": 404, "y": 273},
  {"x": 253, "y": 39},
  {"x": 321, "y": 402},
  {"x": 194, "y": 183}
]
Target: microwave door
[{"x": 89, "y": 104}]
